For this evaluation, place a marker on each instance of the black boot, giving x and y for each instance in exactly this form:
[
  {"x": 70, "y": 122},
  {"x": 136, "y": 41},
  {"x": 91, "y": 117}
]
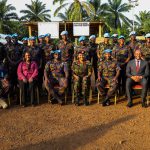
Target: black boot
[
  {"x": 106, "y": 102},
  {"x": 86, "y": 103},
  {"x": 77, "y": 103}
]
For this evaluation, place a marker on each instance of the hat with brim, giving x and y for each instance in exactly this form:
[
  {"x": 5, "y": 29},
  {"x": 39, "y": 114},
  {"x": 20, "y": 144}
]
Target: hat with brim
[{"x": 121, "y": 37}]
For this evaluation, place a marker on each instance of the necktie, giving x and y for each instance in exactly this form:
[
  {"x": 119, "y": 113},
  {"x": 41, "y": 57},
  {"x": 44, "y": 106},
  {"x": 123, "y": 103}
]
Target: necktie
[{"x": 137, "y": 66}]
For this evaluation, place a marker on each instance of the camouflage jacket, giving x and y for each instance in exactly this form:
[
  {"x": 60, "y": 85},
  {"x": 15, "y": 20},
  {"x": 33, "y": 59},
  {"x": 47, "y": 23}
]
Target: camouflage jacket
[
  {"x": 83, "y": 49},
  {"x": 55, "y": 69},
  {"x": 121, "y": 54},
  {"x": 67, "y": 50},
  {"x": 93, "y": 50},
  {"x": 108, "y": 68},
  {"x": 145, "y": 52},
  {"x": 81, "y": 70},
  {"x": 101, "y": 48}
]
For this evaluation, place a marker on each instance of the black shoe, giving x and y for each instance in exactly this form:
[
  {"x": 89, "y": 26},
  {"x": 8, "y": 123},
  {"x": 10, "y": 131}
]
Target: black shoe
[
  {"x": 144, "y": 105},
  {"x": 129, "y": 105},
  {"x": 86, "y": 103},
  {"x": 106, "y": 103}
]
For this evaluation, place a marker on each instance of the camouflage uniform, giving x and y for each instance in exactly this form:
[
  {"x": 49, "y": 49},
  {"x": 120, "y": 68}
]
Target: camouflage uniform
[
  {"x": 81, "y": 70},
  {"x": 145, "y": 52},
  {"x": 133, "y": 46},
  {"x": 57, "y": 73},
  {"x": 101, "y": 48},
  {"x": 121, "y": 54},
  {"x": 67, "y": 51},
  {"x": 84, "y": 49},
  {"x": 13, "y": 57},
  {"x": 107, "y": 70},
  {"x": 93, "y": 56}
]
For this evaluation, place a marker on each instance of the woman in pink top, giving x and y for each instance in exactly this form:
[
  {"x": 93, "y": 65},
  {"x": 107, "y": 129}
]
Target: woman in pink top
[{"x": 27, "y": 76}]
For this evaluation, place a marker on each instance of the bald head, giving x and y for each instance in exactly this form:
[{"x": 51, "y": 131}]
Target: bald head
[{"x": 137, "y": 54}]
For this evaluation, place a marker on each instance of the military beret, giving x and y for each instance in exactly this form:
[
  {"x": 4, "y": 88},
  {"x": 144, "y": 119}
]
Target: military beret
[
  {"x": 32, "y": 38},
  {"x": 55, "y": 51},
  {"x": 92, "y": 37},
  {"x": 48, "y": 35},
  {"x": 107, "y": 51},
  {"x": 82, "y": 38},
  {"x": 64, "y": 33},
  {"x": 147, "y": 35},
  {"x": 14, "y": 35},
  {"x": 25, "y": 39},
  {"x": 106, "y": 35},
  {"x": 132, "y": 33},
  {"x": 121, "y": 37},
  {"x": 114, "y": 35},
  {"x": 41, "y": 36}
]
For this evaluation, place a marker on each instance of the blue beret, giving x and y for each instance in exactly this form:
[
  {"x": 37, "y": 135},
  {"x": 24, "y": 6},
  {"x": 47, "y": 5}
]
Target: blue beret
[
  {"x": 82, "y": 38},
  {"x": 55, "y": 51},
  {"x": 32, "y": 38},
  {"x": 147, "y": 35},
  {"x": 121, "y": 37},
  {"x": 48, "y": 35},
  {"x": 41, "y": 36},
  {"x": 92, "y": 37},
  {"x": 8, "y": 35},
  {"x": 64, "y": 33},
  {"x": 106, "y": 35},
  {"x": 25, "y": 39},
  {"x": 107, "y": 51},
  {"x": 114, "y": 35},
  {"x": 14, "y": 35},
  {"x": 132, "y": 33}
]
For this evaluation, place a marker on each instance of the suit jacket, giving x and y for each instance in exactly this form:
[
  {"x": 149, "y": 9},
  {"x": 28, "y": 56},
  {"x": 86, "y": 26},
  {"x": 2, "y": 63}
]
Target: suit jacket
[{"x": 143, "y": 70}]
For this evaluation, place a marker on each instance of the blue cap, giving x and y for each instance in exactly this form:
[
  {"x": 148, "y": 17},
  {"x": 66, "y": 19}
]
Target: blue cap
[
  {"x": 55, "y": 51},
  {"x": 41, "y": 36},
  {"x": 14, "y": 35},
  {"x": 8, "y": 35},
  {"x": 132, "y": 33},
  {"x": 92, "y": 37},
  {"x": 64, "y": 33},
  {"x": 82, "y": 38},
  {"x": 147, "y": 35},
  {"x": 121, "y": 37},
  {"x": 106, "y": 35},
  {"x": 32, "y": 38},
  {"x": 107, "y": 51},
  {"x": 114, "y": 35},
  {"x": 25, "y": 39},
  {"x": 48, "y": 35}
]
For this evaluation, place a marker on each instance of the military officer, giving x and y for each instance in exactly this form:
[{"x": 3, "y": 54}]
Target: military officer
[
  {"x": 114, "y": 39},
  {"x": 108, "y": 73},
  {"x": 56, "y": 74},
  {"x": 82, "y": 70}
]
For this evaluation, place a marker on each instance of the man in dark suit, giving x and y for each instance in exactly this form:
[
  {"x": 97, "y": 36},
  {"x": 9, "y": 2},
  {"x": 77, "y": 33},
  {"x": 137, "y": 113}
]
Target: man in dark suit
[{"x": 137, "y": 71}]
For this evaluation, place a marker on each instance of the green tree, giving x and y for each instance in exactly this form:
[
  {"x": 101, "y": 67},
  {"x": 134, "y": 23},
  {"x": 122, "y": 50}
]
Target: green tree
[
  {"x": 6, "y": 14},
  {"x": 115, "y": 13},
  {"x": 36, "y": 12},
  {"x": 76, "y": 9}
]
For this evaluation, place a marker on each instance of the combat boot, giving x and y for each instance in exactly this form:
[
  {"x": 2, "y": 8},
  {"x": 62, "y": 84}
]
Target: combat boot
[
  {"x": 86, "y": 103},
  {"x": 77, "y": 101}
]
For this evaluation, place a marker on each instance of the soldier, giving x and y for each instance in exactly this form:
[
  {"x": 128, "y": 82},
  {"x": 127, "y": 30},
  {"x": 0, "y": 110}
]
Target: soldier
[
  {"x": 83, "y": 47},
  {"x": 105, "y": 45},
  {"x": 56, "y": 74},
  {"x": 67, "y": 50},
  {"x": 108, "y": 73},
  {"x": 133, "y": 43},
  {"x": 82, "y": 70},
  {"x": 122, "y": 54},
  {"x": 48, "y": 47},
  {"x": 145, "y": 49},
  {"x": 114, "y": 39},
  {"x": 25, "y": 41},
  {"x": 92, "y": 53},
  {"x": 41, "y": 41},
  {"x": 14, "y": 52},
  {"x": 8, "y": 39}
]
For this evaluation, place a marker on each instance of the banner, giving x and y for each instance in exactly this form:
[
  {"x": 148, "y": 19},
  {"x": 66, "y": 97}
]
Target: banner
[
  {"x": 81, "y": 28},
  {"x": 49, "y": 27}
]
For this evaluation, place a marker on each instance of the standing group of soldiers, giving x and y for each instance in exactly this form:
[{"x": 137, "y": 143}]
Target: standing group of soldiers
[{"x": 63, "y": 65}]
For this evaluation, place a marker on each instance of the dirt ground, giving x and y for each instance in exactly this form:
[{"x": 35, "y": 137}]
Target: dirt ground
[{"x": 68, "y": 127}]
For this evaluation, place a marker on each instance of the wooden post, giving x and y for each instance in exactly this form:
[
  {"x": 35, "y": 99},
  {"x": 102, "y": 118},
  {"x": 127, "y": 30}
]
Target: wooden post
[
  {"x": 100, "y": 30},
  {"x": 30, "y": 30}
]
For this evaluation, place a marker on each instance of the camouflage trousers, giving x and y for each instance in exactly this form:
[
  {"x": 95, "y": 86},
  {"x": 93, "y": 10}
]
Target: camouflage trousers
[
  {"x": 81, "y": 85},
  {"x": 56, "y": 86},
  {"x": 112, "y": 87}
]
